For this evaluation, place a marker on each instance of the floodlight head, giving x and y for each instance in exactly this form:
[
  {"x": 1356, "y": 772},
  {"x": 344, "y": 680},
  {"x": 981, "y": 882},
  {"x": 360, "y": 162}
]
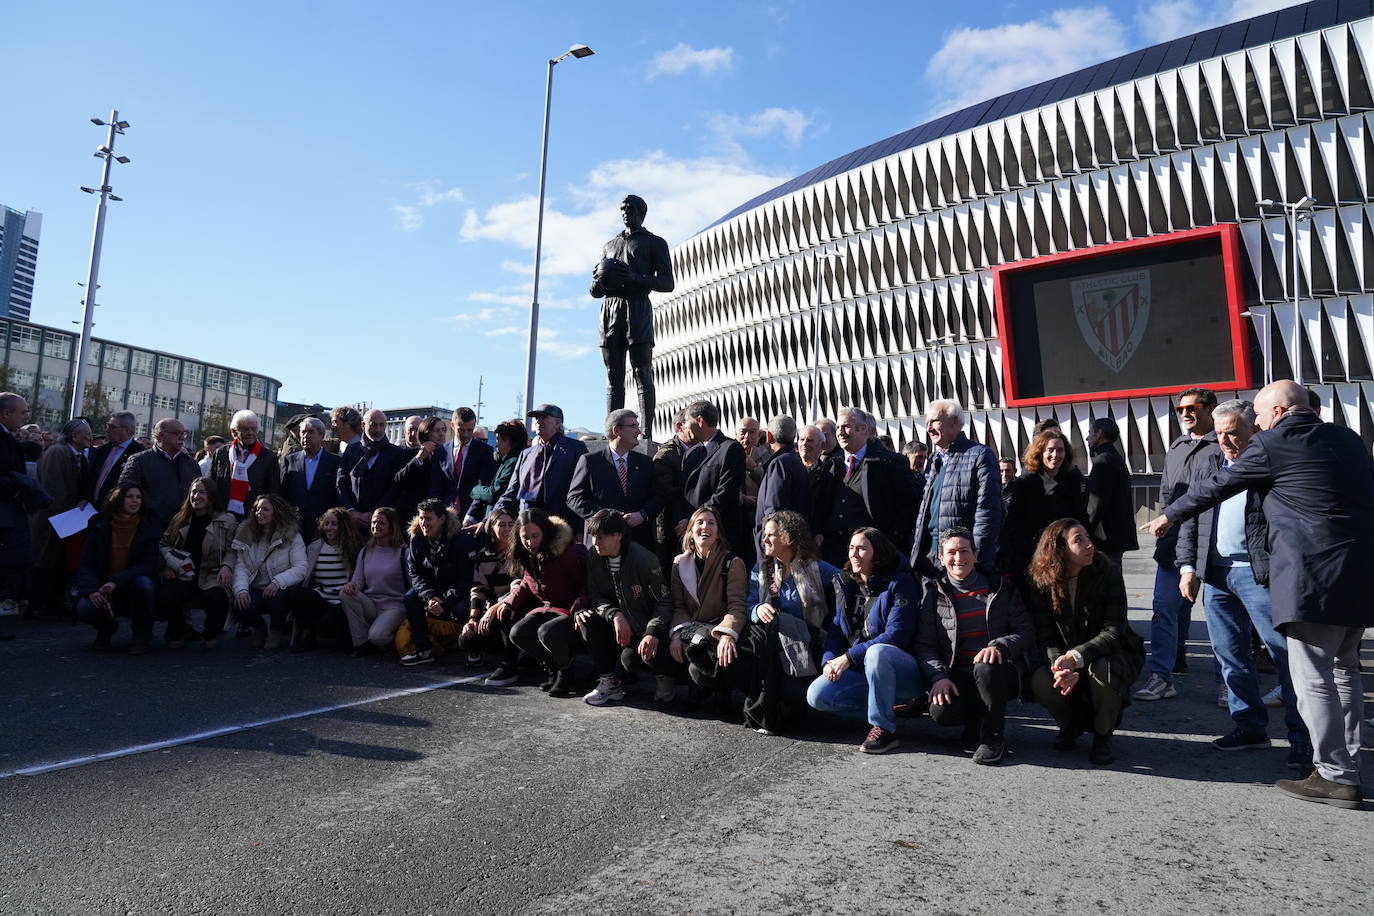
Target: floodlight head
[
  {"x": 88, "y": 190},
  {"x": 122, "y": 125},
  {"x": 103, "y": 150},
  {"x": 1267, "y": 202},
  {"x": 122, "y": 160},
  {"x": 115, "y": 197},
  {"x": 1306, "y": 203},
  {"x": 581, "y": 51},
  {"x": 97, "y": 122}
]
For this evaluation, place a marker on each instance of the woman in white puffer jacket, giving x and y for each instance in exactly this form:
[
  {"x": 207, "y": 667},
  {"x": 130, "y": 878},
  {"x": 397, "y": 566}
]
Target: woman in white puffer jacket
[{"x": 271, "y": 558}]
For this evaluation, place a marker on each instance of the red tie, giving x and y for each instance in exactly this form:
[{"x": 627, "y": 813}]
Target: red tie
[
  {"x": 850, "y": 461},
  {"x": 624, "y": 474},
  {"x": 458, "y": 474}
]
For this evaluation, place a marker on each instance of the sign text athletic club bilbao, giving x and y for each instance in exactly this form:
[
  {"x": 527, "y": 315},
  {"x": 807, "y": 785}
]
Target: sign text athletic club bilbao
[{"x": 1112, "y": 313}]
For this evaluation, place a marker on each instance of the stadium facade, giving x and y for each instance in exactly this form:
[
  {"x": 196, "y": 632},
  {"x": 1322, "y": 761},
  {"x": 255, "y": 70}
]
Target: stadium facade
[{"x": 1261, "y": 128}]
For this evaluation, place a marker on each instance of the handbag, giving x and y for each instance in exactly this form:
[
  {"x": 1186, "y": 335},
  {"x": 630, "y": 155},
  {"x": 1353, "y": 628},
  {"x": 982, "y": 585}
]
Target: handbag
[
  {"x": 794, "y": 646},
  {"x": 179, "y": 561}
]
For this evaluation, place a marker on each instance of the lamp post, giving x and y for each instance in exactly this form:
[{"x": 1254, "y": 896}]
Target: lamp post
[
  {"x": 106, "y": 152},
  {"x": 1265, "y": 354},
  {"x": 578, "y": 51},
  {"x": 1304, "y": 207},
  {"x": 821, "y": 257}
]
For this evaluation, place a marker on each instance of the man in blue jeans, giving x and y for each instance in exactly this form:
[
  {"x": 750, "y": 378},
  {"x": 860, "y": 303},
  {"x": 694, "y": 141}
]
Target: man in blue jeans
[
  {"x": 1169, "y": 625},
  {"x": 1226, "y": 549}
]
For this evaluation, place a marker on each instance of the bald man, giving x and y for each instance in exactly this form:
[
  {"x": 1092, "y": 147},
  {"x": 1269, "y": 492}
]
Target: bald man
[
  {"x": 1316, "y": 483},
  {"x": 373, "y": 479}
]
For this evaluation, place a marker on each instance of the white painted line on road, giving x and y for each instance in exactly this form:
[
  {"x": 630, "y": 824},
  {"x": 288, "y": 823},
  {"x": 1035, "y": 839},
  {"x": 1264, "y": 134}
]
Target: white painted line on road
[{"x": 40, "y": 769}]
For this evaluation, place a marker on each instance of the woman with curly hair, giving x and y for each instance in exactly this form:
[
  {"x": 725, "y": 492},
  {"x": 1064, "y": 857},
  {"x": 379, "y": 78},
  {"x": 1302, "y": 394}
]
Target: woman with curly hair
[
  {"x": 315, "y": 603},
  {"x": 1077, "y": 602},
  {"x": 1050, "y": 488},
  {"x": 270, "y": 559}
]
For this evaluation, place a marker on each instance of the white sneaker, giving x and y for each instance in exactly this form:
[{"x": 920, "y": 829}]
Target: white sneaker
[
  {"x": 1156, "y": 688},
  {"x": 1274, "y": 698},
  {"x": 607, "y": 689},
  {"x": 1223, "y": 697}
]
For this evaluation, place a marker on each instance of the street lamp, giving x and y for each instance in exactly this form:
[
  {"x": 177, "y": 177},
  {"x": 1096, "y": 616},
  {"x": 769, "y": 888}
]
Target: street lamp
[
  {"x": 821, "y": 257},
  {"x": 577, "y": 51},
  {"x": 1303, "y": 206},
  {"x": 106, "y": 153},
  {"x": 1265, "y": 352}
]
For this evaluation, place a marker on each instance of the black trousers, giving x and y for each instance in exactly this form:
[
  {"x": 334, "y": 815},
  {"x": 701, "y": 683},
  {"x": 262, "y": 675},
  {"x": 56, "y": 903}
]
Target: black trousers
[
  {"x": 661, "y": 663},
  {"x": 418, "y": 616},
  {"x": 982, "y": 700},
  {"x": 641, "y": 362},
  {"x": 548, "y": 636},
  {"x": 598, "y": 635},
  {"x": 175, "y": 598},
  {"x": 772, "y": 699},
  {"x": 496, "y": 640}
]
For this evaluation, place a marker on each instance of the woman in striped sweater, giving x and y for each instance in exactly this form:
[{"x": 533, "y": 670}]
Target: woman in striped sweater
[{"x": 330, "y": 558}]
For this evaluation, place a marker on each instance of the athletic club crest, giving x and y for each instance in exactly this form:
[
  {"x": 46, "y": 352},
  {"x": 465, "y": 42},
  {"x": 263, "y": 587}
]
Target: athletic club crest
[{"x": 1112, "y": 313}]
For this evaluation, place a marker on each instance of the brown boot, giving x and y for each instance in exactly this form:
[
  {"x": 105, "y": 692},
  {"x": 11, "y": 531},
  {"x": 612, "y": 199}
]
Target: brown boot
[{"x": 1317, "y": 788}]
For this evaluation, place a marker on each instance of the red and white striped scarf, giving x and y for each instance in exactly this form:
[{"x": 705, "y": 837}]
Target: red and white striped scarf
[{"x": 239, "y": 463}]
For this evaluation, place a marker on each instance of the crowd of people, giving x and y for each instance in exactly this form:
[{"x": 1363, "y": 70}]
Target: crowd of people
[{"x": 778, "y": 571}]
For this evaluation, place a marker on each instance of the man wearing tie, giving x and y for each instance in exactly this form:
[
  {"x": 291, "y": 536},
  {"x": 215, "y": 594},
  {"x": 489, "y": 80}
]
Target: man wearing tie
[
  {"x": 620, "y": 478},
  {"x": 544, "y": 473},
  {"x": 471, "y": 463},
  {"x": 103, "y": 470},
  {"x": 870, "y": 486}
]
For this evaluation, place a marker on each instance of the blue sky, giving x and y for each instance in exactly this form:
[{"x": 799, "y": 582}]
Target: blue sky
[{"x": 341, "y": 195}]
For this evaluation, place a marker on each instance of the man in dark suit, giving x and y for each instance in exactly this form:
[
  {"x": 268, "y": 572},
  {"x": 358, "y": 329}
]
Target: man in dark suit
[
  {"x": 870, "y": 486},
  {"x": 372, "y": 481},
  {"x": 618, "y": 477},
  {"x": 1111, "y": 516},
  {"x": 20, "y": 495},
  {"x": 470, "y": 462},
  {"x": 713, "y": 473},
  {"x": 784, "y": 485},
  {"x": 545, "y": 470},
  {"x": 346, "y": 423},
  {"x": 668, "y": 487},
  {"x": 309, "y": 477},
  {"x": 107, "y": 462}
]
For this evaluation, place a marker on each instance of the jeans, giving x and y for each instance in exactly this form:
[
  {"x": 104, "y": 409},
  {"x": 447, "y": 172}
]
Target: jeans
[
  {"x": 418, "y": 616},
  {"x": 1325, "y": 664},
  {"x": 275, "y": 609},
  {"x": 174, "y": 597},
  {"x": 888, "y": 674},
  {"x": 1169, "y": 625},
  {"x": 134, "y": 598},
  {"x": 1234, "y": 601}
]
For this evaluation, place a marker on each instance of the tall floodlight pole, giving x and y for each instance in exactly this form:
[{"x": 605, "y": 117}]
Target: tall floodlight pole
[
  {"x": 105, "y": 153},
  {"x": 821, "y": 257},
  {"x": 1292, "y": 211},
  {"x": 578, "y": 51}
]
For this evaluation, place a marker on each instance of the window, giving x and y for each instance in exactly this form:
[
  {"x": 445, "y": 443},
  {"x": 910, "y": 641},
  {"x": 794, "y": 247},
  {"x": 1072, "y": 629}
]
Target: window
[
  {"x": 23, "y": 337},
  {"x": 190, "y": 407},
  {"x": 143, "y": 363},
  {"x": 114, "y": 394},
  {"x": 238, "y": 383},
  {"x": 55, "y": 383},
  {"x": 192, "y": 374},
  {"x": 142, "y": 430},
  {"x": 260, "y": 388},
  {"x": 22, "y": 379},
  {"x": 215, "y": 377},
  {"x": 116, "y": 357},
  {"x": 168, "y": 367},
  {"x": 93, "y": 354},
  {"x": 165, "y": 402},
  {"x": 138, "y": 399},
  {"x": 58, "y": 346}
]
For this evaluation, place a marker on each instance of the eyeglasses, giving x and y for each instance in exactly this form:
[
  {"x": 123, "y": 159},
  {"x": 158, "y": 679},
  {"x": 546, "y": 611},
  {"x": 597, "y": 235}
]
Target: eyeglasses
[{"x": 1186, "y": 408}]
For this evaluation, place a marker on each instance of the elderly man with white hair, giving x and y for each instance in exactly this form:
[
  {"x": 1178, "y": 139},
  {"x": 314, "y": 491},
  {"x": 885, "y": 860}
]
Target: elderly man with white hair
[
  {"x": 868, "y": 485},
  {"x": 309, "y": 477},
  {"x": 246, "y": 468},
  {"x": 963, "y": 489}
]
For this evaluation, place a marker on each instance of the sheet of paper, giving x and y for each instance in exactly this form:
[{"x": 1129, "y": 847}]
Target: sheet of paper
[{"x": 70, "y": 522}]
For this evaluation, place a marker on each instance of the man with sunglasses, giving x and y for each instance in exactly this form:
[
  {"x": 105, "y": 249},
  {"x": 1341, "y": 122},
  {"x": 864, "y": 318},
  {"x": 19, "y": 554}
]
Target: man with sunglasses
[{"x": 1172, "y": 611}]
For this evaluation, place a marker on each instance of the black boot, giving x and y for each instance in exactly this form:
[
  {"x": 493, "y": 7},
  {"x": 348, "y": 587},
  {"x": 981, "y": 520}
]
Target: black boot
[{"x": 1101, "y": 754}]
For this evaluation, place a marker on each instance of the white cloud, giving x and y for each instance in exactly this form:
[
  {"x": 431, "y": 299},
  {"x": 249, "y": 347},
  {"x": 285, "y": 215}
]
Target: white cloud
[
  {"x": 684, "y": 195},
  {"x": 789, "y": 123},
  {"x": 505, "y": 331},
  {"x": 412, "y": 216},
  {"x": 551, "y": 342},
  {"x": 1167, "y": 19},
  {"x": 682, "y": 57},
  {"x": 975, "y": 64}
]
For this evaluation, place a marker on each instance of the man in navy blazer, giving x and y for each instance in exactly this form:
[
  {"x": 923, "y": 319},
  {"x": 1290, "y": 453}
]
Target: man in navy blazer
[
  {"x": 372, "y": 481},
  {"x": 1316, "y": 484},
  {"x": 102, "y": 473},
  {"x": 544, "y": 473},
  {"x": 713, "y": 473},
  {"x": 596, "y": 480},
  {"x": 474, "y": 460},
  {"x": 309, "y": 477},
  {"x": 785, "y": 483},
  {"x": 347, "y": 426}
]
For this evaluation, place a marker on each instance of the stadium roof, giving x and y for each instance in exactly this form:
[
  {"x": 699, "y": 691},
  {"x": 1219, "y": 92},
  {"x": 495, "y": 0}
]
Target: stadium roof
[{"x": 1224, "y": 39}]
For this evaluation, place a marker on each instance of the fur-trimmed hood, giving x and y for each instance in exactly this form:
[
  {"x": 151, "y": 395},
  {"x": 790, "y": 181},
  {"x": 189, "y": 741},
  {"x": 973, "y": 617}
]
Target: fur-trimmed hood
[
  {"x": 562, "y": 536},
  {"x": 453, "y": 523}
]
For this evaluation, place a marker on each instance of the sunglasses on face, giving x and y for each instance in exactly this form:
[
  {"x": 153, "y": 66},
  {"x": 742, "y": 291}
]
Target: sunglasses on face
[{"x": 1186, "y": 408}]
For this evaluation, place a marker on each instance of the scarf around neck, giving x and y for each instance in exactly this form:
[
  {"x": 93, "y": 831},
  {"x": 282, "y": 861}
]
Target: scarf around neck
[{"x": 239, "y": 463}]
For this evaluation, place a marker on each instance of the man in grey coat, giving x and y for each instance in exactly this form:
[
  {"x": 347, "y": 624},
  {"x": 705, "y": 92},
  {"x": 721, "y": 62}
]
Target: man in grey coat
[
  {"x": 164, "y": 472},
  {"x": 1316, "y": 482}
]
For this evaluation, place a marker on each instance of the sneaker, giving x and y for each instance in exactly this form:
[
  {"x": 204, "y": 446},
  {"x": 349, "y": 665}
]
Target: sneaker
[
  {"x": 1223, "y": 697},
  {"x": 418, "y": 657},
  {"x": 990, "y": 754},
  {"x": 1274, "y": 698},
  {"x": 1101, "y": 754},
  {"x": 879, "y": 741},
  {"x": 1299, "y": 759},
  {"x": 607, "y": 689},
  {"x": 1156, "y": 688},
  {"x": 1316, "y": 788},
  {"x": 562, "y": 686},
  {"x": 502, "y": 677},
  {"x": 665, "y": 688},
  {"x": 1237, "y": 740}
]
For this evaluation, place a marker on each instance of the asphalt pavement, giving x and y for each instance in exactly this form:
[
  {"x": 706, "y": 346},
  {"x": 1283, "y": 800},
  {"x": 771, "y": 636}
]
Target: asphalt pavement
[{"x": 340, "y": 786}]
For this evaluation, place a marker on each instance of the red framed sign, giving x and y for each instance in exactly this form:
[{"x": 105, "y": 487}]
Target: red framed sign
[{"x": 1150, "y": 316}]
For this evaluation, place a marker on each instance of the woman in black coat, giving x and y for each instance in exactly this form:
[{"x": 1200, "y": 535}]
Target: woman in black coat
[{"x": 1051, "y": 488}]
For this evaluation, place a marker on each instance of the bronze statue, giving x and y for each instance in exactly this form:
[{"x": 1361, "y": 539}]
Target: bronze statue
[{"x": 632, "y": 264}]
